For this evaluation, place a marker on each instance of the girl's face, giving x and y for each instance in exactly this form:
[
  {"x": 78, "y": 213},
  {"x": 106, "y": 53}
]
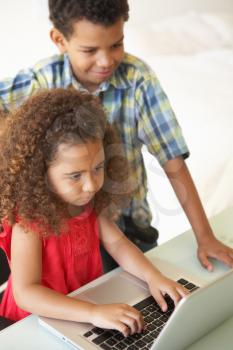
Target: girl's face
[{"x": 77, "y": 172}]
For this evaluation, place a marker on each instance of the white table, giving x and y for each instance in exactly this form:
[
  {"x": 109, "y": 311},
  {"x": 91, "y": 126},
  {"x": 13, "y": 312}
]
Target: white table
[{"x": 180, "y": 251}]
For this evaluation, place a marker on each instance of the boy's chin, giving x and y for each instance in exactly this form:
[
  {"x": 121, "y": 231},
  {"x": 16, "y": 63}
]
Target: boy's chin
[{"x": 99, "y": 78}]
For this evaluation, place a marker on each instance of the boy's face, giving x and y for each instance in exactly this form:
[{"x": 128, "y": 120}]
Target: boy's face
[{"x": 95, "y": 51}]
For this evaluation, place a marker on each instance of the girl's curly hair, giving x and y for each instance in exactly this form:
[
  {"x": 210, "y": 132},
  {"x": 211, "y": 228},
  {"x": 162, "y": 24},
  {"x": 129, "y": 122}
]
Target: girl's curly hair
[
  {"x": 63, "y": 13},
  {"x": 29, "y": 143}
]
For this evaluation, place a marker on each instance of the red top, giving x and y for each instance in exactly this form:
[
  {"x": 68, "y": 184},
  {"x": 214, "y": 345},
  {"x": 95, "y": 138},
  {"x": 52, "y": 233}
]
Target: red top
[{"x": 68, "y": 261}]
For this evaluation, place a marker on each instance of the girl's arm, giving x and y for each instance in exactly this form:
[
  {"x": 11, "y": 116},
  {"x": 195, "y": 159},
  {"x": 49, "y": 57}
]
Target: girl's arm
[
  {"x": 131, "y": 259},
  {"x": 30, "y": 295}
]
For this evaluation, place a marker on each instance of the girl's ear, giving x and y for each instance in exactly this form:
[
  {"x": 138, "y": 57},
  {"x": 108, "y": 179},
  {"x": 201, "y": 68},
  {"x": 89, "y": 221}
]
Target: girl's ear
[{"x": 59, "y": 40}]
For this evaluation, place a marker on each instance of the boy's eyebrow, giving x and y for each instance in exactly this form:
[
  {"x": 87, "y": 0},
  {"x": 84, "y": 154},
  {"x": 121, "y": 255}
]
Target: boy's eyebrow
[
  {"x": 83, "y": 171},
  {"x": 95, "y": 47}
]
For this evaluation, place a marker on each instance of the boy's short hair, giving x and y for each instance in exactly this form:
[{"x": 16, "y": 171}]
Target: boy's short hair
[{"x": 64, "y": 13}]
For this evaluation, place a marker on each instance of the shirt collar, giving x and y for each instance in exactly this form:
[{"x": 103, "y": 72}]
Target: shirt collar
[
  {"x": 67, "y": 72},
  {"x": 120, "y": 79}
]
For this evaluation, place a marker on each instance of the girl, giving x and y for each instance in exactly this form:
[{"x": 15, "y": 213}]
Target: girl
[{"x": 58, "y": 184}]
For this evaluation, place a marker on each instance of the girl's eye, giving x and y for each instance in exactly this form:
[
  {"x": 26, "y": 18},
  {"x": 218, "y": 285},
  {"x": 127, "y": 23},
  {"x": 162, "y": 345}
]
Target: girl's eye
[
  {"x": 75, "y": 177},
  {"x": 98, "y": 168}
]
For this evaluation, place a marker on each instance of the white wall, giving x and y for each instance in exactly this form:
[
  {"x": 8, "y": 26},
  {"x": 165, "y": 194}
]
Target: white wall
[
  {"x": 146, "y": 10},
  {"x": 25, "y": 40}
]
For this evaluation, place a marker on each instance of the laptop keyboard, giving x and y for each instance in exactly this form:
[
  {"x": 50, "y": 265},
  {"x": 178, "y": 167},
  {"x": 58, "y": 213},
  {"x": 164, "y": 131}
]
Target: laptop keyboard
[{"x": 154, "y": 318}]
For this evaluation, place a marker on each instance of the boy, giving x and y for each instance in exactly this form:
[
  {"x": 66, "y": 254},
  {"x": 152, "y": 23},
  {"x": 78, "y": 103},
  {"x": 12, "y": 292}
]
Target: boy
[{"x": 89, "y": 35}]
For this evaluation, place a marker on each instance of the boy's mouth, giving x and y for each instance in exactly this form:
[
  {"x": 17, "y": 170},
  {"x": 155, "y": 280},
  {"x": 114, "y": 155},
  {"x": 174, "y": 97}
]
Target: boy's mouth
[{"x": 104, "y": 73}]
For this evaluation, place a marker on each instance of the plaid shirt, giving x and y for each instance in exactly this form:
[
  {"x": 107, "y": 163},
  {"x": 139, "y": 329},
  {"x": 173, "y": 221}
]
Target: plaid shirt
[{"x": 134, "y": 102}]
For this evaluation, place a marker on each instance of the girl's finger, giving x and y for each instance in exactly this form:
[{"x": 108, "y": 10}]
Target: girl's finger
[
  {"x": 160, "y": 300},
  {"x": 131, "y": 323},
  {"x": 182, "y": 291},
  {"x": 137, "y": 316},
  {"x": 122, "y": 327},
  {"x": 175, "y": 295}
]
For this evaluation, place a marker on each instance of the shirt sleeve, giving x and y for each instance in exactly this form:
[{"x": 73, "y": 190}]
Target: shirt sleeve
[
  {"x": 14, "y": 91},
  {"x": 5, "y": 238},
  {"x": 157, "y": 125}
]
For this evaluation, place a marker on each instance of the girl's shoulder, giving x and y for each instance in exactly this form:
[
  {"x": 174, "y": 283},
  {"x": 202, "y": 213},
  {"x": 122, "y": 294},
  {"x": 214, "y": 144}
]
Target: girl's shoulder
[{"x": 7, "y": 229}]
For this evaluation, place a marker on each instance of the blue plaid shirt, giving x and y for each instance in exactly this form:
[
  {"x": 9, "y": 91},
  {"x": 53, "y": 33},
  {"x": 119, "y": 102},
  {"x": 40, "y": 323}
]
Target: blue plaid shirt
[{"x": 134, "y": 102}]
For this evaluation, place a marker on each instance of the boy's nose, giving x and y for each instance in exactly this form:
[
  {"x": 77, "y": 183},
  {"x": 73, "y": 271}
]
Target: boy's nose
[{"x": 105, "y": 61}]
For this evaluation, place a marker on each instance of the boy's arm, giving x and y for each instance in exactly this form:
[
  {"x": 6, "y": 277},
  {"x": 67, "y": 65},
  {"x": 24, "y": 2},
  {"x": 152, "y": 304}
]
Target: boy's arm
[
  {"x": 159, "y": 130},
  {"x": 208, "y": 245}
]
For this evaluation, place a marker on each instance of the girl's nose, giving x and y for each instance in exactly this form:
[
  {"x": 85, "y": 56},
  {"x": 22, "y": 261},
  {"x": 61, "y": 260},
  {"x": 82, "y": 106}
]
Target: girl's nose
[{"x": 89, "y": 184}]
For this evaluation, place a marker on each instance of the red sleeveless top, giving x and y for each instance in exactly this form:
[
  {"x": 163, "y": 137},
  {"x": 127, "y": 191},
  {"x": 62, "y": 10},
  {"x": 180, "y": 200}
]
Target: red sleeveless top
[{"x": 69, "y": 260}]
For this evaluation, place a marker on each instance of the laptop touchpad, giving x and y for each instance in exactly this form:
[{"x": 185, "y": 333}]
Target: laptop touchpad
[{"x": 122, "y": 288}]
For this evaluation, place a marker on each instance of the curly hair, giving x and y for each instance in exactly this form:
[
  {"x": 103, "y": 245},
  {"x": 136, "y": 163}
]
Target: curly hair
[
  {"x": 29, "y": 144},
  {"x": 64, "y": 13}
]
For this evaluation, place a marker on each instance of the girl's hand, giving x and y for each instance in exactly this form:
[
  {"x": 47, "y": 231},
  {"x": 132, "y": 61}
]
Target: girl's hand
[
  {"x": 160, "y": 285},
  {"x": 121, "y": 317}
]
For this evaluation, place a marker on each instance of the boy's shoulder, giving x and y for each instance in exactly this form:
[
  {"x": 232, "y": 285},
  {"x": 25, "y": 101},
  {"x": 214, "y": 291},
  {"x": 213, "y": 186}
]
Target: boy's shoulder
[
  {"x": 42, "y": 67},
  {"x": 48, "y": 62}
]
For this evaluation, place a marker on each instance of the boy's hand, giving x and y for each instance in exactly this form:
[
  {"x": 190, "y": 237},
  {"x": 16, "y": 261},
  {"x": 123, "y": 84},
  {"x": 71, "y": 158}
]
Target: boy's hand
[
  {"x": 160, "y": 285},
  {"x": 121, "y": 317},
  {"x": 213, "y": 248}
]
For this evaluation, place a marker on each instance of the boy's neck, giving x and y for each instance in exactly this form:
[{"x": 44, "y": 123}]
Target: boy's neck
[{"x": 90, "y": 87}]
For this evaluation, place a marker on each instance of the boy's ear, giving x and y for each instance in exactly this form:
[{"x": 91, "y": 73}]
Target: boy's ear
[{"x": 59, "y": 40}]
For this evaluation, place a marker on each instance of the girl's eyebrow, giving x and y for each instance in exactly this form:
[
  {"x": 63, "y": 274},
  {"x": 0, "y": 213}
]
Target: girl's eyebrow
[
  {"x": 83, "y": 171},
  {"x": 95, "y": 47}
]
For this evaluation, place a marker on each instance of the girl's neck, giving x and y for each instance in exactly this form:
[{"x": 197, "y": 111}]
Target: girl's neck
[{"x": 74, "y": 210}]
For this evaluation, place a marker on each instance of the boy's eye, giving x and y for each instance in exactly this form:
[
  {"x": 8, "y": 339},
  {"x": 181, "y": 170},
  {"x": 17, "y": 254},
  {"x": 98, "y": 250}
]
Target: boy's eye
[
  {"x": 89, "y": 51},
  {"x": 117, "y": 45}
]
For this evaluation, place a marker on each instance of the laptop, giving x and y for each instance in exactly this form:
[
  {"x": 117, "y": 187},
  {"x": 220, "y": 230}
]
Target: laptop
[{"x": 207, "y": 306}]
